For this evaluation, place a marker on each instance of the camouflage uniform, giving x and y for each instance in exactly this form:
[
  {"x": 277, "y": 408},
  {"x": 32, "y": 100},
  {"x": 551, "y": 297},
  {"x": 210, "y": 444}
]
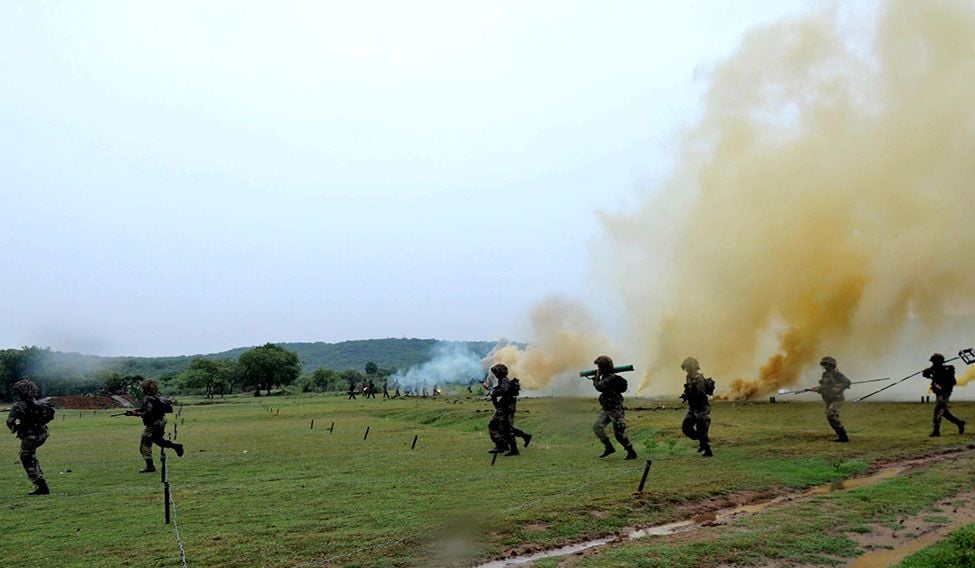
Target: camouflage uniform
[
  {"x": 831, "y": 387},
  {"x": 386, "y": 390},
  {"x": 611, "y": 388},
  {"x": 23, "y": 421},
  {"x": 502, "y": 428},
  {"x": 942, "y": 383},
  {"x": 352, "y": 390},
  {"x": 697, "y": 421},
  {"x": 154, "y": 420}
]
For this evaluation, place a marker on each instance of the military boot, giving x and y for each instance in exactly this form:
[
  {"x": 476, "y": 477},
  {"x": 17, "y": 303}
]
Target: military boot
[
  {"x": 936, "y": 432},
  {"x": 41, "y": 488},
  {"x": 527, "y": 438},
  {"x": 630, "y": 453},
  {"x": 841, "y": 436},
  {"x": 149, "y": 467},
  {"x": 707, "y": 452},
  {"x": 513, "y": 451},
  {"x": 609, "y": 449},
  {"x": 961, "y": 426},
  {"x": 179, "y": 450}
]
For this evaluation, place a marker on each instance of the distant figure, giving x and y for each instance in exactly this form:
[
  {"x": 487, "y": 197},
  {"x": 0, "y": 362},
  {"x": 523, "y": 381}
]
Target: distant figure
[
  {"x": 370, "y": 389},
  {"x": 697, "y": 422},
  {"x": 611, "y": 388},
  {"x": 831, "y": 388},
  {"x": 386, "y": 389},
  {"x": 502, "y": 426},
  {"x": 942, "y": 383},
  {"x": 352, "y": 390},
  {"x": 28, "y": 419},
  {"x": 424, "y": 392},
  {"x": 396, "y": 395},
  {"x": 153, "y": 412}
]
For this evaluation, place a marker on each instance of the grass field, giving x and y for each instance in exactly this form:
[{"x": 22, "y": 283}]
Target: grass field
[{"x": 259, "y": 488}]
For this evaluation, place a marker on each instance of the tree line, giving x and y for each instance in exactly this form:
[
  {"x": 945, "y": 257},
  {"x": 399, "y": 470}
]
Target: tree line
[{"x": 258, "y": 369}]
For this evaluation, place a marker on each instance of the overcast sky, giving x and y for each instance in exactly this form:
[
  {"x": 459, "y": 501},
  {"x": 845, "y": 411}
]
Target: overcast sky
[{"x": 188, "y": 177}]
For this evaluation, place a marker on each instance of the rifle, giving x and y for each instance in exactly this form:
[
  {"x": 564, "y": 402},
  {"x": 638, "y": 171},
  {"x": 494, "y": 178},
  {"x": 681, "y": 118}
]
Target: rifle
[
  {"x": 966, "y": 355},
  {"x": 126, "y": 413},
  {"x": 786, "y": 391}
]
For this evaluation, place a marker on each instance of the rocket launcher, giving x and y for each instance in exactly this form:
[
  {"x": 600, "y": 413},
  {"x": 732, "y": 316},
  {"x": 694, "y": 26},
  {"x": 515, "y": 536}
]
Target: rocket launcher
[{"x": 592, "y": 372}]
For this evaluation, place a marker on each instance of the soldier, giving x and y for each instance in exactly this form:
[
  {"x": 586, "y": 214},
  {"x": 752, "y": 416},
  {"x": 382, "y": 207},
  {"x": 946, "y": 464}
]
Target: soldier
[
  {"x": 831, "y": 388},
  {"x": 153, "y": 412},
  {"x": 942, "y": 383},
  {"x": 386, "y": 389},
  {"x": 28, "y": 419},
  {"x": 370, "y": 389},
  {"x": 611, "y": 388},
  {"x": 697, "y": 389},
  {"x": 502, "y": 426},
  {"x": 352, "y": 390}
]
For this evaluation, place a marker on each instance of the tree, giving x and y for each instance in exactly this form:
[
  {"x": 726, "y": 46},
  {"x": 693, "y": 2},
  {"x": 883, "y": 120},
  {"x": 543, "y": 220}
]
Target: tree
[
  {"x": 116, "y": 383},
  {"x": 371, "y": 368},
  {"x": 268, "y": 366},
  {"x": 210, "y": 375}
]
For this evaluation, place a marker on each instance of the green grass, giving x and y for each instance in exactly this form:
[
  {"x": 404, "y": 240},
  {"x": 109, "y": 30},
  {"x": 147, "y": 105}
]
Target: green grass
[
  {"x": 957, "y": 551},
  {"x": 257, "y": 489}
]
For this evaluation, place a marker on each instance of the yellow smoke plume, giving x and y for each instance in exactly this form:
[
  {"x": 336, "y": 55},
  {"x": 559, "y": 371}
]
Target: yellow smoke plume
[
  {"x": 967, "y": 377},
  {"x": 565, "y": 339},
  {"x": 824, "y": 199}
]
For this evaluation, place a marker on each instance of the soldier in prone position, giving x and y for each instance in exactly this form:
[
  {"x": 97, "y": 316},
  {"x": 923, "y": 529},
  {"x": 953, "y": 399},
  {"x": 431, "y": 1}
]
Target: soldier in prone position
[
  {"x": 697, "y": 389},
  {"x": 611, "y": 388},
  {"x": 153, "y": 413},
  {"x": 28, "y": 419},
  {"x": 831, "y": 387},
  {"x": 942, "y": 383}
]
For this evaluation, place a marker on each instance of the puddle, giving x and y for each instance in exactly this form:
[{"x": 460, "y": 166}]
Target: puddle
[
  {"x": 882, "y": 558},
  {"x": 718, "y": 517}
]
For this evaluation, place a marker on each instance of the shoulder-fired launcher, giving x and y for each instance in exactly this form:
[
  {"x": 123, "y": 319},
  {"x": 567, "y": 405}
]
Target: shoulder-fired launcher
[{"x": 592, "y": 372}]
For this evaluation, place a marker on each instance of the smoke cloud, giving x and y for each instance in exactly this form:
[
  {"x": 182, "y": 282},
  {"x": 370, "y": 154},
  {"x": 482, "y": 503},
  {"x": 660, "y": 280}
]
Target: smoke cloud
[
  {"x": 823, "y": 201},
  {"x": 450, "y": 364},
  {"x": 565, "y": 339}
]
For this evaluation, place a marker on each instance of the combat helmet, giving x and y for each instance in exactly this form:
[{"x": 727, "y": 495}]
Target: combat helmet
[
  {"x": 26, "y": 389},
  {"x": 604, "y": 361},
  {"x": 827, "y": 360},
  {"x": 149, "y": 387},
  {"x": 937, "y": 358},
  {"x": 500, "y": 370},
  {"x": 690, "y": 365}
]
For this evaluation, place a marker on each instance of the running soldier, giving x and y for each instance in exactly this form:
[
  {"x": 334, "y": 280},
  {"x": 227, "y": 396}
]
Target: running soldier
[
  {"x": 153, "y": 413},
  {"x": 611, "y": 388},
  {"x": 352, "y": 390},
  {"x": 697, "y": 389},
  {"x": 831, "y": 388},
  {"x": 370, "y": 389},
  {"x": 28, "y": 419},
  {"x": 942, "y": 383},
  {"x": 386, "y": 389},
  {"x": 502, "y": 426}
]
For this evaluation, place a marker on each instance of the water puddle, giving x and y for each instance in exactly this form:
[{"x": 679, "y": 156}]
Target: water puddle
[
  {"x": 717, "y": 517},
  {"x": 883, "y": 558}
]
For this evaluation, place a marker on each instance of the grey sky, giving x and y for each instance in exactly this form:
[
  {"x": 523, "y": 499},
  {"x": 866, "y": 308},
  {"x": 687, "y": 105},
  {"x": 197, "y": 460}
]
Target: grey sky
[{"x": 193, "y": 176}]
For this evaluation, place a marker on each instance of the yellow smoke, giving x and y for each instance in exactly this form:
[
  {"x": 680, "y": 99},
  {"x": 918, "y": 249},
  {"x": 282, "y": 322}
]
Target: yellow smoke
[
  {"x": 565, "y": 339},
  {"x": 824, "y": 199},
  {"x": 967, "y": 377}
]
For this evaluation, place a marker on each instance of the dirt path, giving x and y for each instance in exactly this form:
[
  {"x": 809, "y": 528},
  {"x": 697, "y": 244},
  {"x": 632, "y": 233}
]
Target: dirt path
[{"x": 915, "y": 532}]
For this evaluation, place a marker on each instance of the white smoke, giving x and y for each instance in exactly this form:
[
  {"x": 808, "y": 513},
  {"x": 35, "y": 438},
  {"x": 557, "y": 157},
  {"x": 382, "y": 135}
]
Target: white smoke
[{"x": 451, "y": 364}]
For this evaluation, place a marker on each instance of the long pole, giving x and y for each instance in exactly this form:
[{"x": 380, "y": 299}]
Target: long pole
[{"x": 911, "y": 376}]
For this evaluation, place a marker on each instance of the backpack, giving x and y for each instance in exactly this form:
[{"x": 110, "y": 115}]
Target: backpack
[
  {"x": 41, "y": 412},
  {"x": 619, "y": 384},
  {"x": 165, "y": 405},
  {"x": 514, "y": 387},
  {"x": 709, "y": 386}
]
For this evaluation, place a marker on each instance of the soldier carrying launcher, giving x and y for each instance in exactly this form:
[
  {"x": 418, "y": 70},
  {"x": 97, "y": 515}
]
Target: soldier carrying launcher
[
  {"x": 28, "y": 419},
  {"x": 153, "y": 413},
  {"x": 611, "y": 388}
]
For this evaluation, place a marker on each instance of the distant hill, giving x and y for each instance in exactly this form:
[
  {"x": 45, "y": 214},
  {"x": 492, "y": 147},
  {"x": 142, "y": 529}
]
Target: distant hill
[{"x": 388, "y": 353}]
